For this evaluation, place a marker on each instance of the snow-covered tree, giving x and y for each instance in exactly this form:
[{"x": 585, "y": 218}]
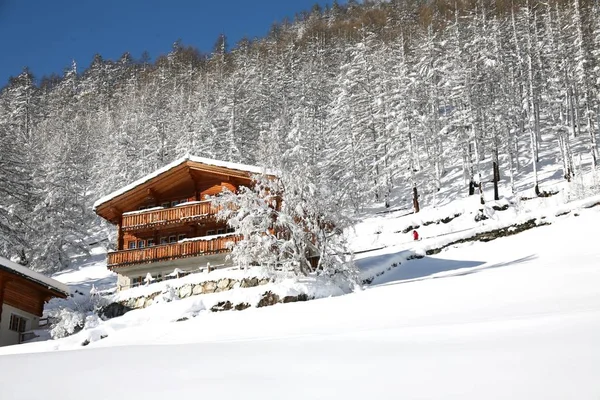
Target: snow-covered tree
[{"x": 283, "y": 228}]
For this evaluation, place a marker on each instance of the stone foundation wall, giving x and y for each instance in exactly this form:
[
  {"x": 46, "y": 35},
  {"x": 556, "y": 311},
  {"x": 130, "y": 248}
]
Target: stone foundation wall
[
  {"x": 268, "y": 298},
  {"x": 188, "y": 290},
  {"x": 493, "y": 234}
]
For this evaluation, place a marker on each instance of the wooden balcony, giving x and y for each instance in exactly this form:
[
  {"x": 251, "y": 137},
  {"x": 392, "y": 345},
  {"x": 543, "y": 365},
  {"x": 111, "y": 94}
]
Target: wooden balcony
[
  {"x": 168, "y": 216},
  {"x": 174, "y": 251}
]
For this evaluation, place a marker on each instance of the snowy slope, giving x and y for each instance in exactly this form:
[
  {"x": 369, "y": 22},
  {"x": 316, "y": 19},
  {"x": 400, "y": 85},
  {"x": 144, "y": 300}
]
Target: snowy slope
[{"x": 516, "y": 318}]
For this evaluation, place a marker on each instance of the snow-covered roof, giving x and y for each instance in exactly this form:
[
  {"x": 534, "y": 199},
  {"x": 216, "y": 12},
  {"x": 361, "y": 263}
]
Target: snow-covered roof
[
  {"x": 217, "y": 163},
  {"x": 33, "y": 276},
  {"x": 225, "y": 164}
]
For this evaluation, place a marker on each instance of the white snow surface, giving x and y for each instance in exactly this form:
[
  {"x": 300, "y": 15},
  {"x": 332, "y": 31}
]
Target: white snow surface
[
  {"x": 217, "y": 163},
  {"x": 188, "y": 203},
  {"x": 144, "y": 210},
  {"x": 518, "y": 318},
  {"x": 34, "y": 276},
  {"x": 206, "y": 238}
]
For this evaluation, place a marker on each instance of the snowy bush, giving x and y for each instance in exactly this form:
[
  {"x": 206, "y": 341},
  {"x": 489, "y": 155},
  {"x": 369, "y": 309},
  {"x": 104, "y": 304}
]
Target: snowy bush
[
  {"x": 168, "y": 294},
  {"x": 70, "y": 320}
]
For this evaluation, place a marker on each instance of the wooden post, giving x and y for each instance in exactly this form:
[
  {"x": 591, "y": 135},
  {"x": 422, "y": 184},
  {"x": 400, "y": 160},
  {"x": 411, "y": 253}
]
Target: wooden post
[
  {"x": 2, "y": 286},
  {"x": 196, "y": 186},
  {"x": 119, "y": 236},
  {"x": 151, "y": 194},
  {"x": 41, "y": 300},
  {"x": 119, "y": 214}
]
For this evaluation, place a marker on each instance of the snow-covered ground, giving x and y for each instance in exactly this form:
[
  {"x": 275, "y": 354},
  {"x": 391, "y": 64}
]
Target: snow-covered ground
[{"x": 518, "y": 317}]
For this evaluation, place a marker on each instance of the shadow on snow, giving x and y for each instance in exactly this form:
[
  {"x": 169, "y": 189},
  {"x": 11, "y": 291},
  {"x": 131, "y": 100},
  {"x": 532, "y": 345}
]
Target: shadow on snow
[
  {"x": 435, "y": 268},
  {"x": 86, "y": 284}
]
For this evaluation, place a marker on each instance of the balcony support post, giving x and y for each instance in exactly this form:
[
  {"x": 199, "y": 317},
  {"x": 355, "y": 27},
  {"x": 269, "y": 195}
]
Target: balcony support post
[
  {"x": 151, "y": 194},
  {"x": 2, "y": 286},
  {"x": 196, "y": 191},
  {"x": 119, "y": 237},
  {"x": 196, "y": 186}
]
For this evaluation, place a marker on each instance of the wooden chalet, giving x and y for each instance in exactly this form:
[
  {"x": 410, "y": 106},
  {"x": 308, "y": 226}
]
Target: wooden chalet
[
  {"x": 165, "y": 222},
  {"x": 23, "y": 293}
]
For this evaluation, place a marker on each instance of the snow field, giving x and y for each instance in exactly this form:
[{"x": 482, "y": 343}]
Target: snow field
[{"x": 517, "y": 318}]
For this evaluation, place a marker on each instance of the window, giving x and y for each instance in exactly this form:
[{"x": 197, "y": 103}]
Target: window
[
  {"x": 142, "y": 207},
  {"x": 131, "y": 244},
  {"x": 172, "y": 239},
  {"x": 150, "y": 242},
  {"x": 174, "y": 203},
  {"x": 181, "y": 237},
  {"x": 210, "y": 233},
  {"x": 163, "y": 240},
  {"x": 220, "y": 231},
  {"x": 230, "y": 230},
  {"x": 141, "y": 244},
  {"x": 17, "y": 323},
  {"x": 165, "y": 204},
  {"x": 136, "y": 281}
]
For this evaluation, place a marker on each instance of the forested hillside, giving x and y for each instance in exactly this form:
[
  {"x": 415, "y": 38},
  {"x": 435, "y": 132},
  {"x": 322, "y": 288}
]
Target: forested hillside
[{"x": 361, "y": 99}]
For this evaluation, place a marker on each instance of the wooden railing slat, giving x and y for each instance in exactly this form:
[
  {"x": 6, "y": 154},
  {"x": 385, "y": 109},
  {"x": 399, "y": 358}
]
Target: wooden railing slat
[
  {"x": 170, "y": 251},
  {"x": 168, "y": 214}
]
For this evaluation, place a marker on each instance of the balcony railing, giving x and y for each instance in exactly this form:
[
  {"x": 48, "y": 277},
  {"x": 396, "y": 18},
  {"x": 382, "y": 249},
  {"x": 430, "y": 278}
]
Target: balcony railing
[
  {"x": 168, "y": 216},
  {"x": 174, "y": 251}
]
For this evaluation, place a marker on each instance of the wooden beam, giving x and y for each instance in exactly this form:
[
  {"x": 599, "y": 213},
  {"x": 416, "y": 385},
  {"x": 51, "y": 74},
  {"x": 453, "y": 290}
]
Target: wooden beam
[
  {"x": 151, "y": 194},
  {"x": 117, "y": 213},
  {"x": 3, "y": 282},
  {"x": 41, "y": 302},
  {"x": 119, "y": 236},
  {"x": 2, "y": 286},
  {"x": 196, "y": 186},
  {"x": 115, "y": 210}
]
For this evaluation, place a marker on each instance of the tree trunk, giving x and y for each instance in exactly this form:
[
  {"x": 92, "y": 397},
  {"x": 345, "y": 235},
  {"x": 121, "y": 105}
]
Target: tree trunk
[
  {"x": 471, "y": 171},
  {"x": 480, "y": 185},
  {"x": 416, "y": 199},
  {"x": 496, "y": 179},
  {"x": 512, "y": 172}
]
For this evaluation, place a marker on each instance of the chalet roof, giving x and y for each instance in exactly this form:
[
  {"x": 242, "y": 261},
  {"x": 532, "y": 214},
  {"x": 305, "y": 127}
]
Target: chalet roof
[
  {"x": 251, "y": 169},
  {"x": 32, "y": 276}
]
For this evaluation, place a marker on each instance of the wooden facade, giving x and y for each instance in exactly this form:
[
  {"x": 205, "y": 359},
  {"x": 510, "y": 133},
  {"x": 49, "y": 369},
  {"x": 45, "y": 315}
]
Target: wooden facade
[
  {"x": 167, "y": 217},
  {"x": 20, "y": 293},
  {"x": 22, "y": 296}
]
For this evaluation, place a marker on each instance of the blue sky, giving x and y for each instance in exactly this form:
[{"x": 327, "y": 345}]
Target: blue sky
[{"x": 46, "y": 35}]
